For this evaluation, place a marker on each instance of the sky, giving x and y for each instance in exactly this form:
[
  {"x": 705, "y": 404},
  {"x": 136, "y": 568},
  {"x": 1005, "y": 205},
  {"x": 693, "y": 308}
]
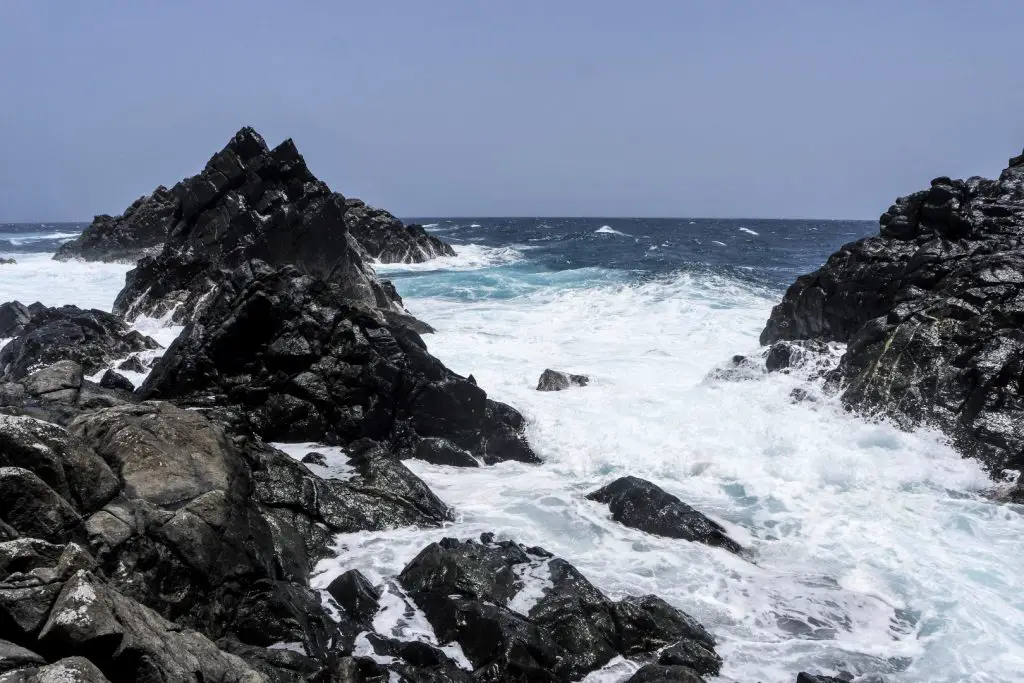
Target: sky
[{"x": 727, "y": 108}]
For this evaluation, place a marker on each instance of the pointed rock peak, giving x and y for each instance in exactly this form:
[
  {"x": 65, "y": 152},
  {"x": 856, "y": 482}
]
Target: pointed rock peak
[
  {"x": 247, "y": 144},
  {"x": 286, "y": 150},
  {"x": 1017, "y": 160}
]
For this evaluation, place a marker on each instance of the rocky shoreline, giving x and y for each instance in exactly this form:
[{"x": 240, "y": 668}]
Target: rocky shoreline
[
  {"x": 932, "y": 312},
  {"x": 153, "y": 533}
]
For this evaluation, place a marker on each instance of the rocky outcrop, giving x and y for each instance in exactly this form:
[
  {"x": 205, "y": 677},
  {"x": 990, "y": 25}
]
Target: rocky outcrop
[
  {"x": 521, "y": 614},
  {"x": 809, "y": 678},
  {"x": 15, "y": 316},
  {"x": 145, "y": 533},
  {"x": 386, "y": 239},
  {"x": 304, "y": 362},
  {"x": 553, "y": 380},
  {"x": 91, "y": 338},
  {"x": 139, "y": 231},
  {"x": 252, "y": 202},
  {"x": 639, "y": 504},
  {"x": 932, "y": 312}
]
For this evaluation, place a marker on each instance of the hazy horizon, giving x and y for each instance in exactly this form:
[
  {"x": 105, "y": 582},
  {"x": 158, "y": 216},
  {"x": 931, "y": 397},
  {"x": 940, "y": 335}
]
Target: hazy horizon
[{"x": 581, "y": 109}]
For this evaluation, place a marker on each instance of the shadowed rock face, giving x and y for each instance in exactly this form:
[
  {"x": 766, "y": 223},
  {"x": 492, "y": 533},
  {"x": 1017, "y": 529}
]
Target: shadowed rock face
[
  {"x": 305, "y": 363},
  {"x": 640, "y": 504},
  {"x": 91, "y": 338},
  {"x": 139, "y": 231},
  {"x": 521, "y": 614},
  {"x": 932, "y": 310},
  {"x": 386, "y": 239}
]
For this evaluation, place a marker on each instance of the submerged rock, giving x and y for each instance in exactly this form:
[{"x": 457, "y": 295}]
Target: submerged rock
[
  {"x": 305, "y": 363},
  {"x": 932, "y": 312},
  {"x": 639, "y": 504},
  {"x": 521, "y": 614},
  {"x": 553, "y": 380},
  {"x": 91, "y": 338}
]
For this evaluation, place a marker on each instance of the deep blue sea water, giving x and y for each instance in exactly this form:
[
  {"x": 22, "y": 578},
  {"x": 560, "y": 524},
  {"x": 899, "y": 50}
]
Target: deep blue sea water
[{"x": 871, "y": 551}]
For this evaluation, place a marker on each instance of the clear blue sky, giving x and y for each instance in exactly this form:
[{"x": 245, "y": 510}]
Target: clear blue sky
[{"x": 655, "y": 108}]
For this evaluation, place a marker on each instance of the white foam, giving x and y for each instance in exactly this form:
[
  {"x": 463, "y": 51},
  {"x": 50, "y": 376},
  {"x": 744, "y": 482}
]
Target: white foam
[
  {"x": 748, "y": 231},
  {"x": 721, "y": 244},
  {"x": 37, "y": 277},
  {"x": 474, "y": 225},
  {"x": 609, "y": 230},
  {"x": 468, "y": 257},
  {"x": 536, "y": 578},
  {"x": 848, "y": 520},
  {"x": 337, "y": 466},
  {"x": 430, "y": 225}
]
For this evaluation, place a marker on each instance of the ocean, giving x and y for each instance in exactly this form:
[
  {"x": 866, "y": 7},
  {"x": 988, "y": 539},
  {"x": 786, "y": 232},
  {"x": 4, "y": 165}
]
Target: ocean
[{"x": 872, "y": 551}]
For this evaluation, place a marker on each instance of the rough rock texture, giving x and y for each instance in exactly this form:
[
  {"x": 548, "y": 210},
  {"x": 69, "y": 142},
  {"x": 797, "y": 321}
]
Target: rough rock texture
[
  {"x": 139, "y": 231},
  {"x": 521, "y": 614},
  {"x": 809, "y": 678},
  {"x": 194, "y": 535},
  {"x": 384, "y": 238},
  {"x": 642, "y": 505},
  {"x": 57, "y": 393},
  {"x": 14, "y": 316},
  {"x": 251, "y": 202},
  {"x": 553, "y": 380},
  {"x": 932, "y": 310},
  {"x": 305, "y": 364},
  {"x": 662, "y": 673},
  {"x": 91, "y": 338}
]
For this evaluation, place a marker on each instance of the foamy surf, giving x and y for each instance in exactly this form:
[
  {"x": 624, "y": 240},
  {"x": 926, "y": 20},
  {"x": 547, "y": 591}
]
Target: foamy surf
[
  {"x": 609, "y": 230},
  {"x": 749, "y": 231},
  {"x": 871, "y": 550}
]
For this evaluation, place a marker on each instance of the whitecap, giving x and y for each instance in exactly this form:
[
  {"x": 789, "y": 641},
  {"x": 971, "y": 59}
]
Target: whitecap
[
  {"x": 609, "y": 230},
  {"x": 721, "y": 244},
  {"x": 748, "y": 231}
]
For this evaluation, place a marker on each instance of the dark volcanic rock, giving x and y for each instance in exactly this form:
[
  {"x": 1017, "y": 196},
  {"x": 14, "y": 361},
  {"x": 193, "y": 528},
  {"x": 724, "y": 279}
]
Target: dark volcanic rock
[
  {"x": 384, "y": 238},
  {"x": 640, "y": 504},
  {"x": 141, "y": 230},
  {"x": 786, "y": 355},
  {"x": 521, "y": 614},
  {"x": 132, "y": 364},
  {"x": 694, "y": 655},
  {"x": 63, "y": 462},
  {"x": 115, "y": 380},
  {"x": 251, "y": 202},
  {"x": 809, "y": 678},
  {"x": 932, "y": 310},
  {"x": 131, "y": 642},
  {"x": 304, "y": 363},
  {"x": 356, "y": 595},
  {"x": 14, "y": 316},
  {"x": 660, "y": 673},
  {"x": 553, "y": 380},
  {"x": 91, "y": 338},
  {"x": 16, "y": 657},
  {"x": 34, "y": 509}
]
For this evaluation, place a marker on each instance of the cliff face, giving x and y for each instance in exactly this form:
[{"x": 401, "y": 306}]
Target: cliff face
[{"x": 932, "y": 310}]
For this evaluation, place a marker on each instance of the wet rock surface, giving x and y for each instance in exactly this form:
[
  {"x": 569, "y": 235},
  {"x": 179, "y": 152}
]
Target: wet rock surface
[
  {"x": 553, "y": 380},
  {"x": 139, "y": 231},
  {"x": 521, "y": 614},
  {"x": 306, "y": 364},
  {"x": 384, "y": 238},
  {"x": 91, "y": 338},
  {"x": 932, "y": 311},
  {"x": 253, "y": 202},
  {"x": 639, "y": 504}
]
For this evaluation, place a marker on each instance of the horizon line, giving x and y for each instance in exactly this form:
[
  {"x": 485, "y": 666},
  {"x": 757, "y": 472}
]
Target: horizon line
[{"x": 413, "y": 218}]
